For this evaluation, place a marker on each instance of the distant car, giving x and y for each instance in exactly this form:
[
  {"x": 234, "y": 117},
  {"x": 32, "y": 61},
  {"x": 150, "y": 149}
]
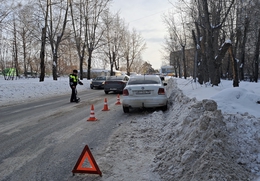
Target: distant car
[
  {"x": 98, "y": 82},
  {"x": 144, "y": 91},
  {"x": 115, "y": 83}
]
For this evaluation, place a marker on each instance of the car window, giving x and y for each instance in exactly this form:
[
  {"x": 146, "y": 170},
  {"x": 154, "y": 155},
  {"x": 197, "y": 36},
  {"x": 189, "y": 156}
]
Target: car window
[
  {"x": 101, "y": 78},
  {"x": 144, "y": 80},
  {"x": 116, "y": 78}
]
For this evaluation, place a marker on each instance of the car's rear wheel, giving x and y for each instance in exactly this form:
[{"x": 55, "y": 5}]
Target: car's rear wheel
[
  {"x": 126, "y": 109},
  {"x": 164, "y": 108},
  {"x": 106, "y": 92}
]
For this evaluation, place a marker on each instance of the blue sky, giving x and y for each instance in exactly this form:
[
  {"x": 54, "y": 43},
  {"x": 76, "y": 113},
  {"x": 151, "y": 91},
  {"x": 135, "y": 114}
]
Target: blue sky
[{"x": 146, "y": 17}]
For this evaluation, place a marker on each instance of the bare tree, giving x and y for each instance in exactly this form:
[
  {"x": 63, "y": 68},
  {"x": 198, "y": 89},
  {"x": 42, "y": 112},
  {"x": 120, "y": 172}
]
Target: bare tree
[
  {"x": 179, "y": 34},
  {"x": 15, "y": 47},
  {"x": 56, "y": 29},
  {"x": 24, "y": 32},
  {"x": 3, "y": 50},
  {"x": 6, "y": 8},
  {"x": 114, "y": 33},
  {"x": 133, "y": 46},
  {"x": 173, "y": 56},
  {"x": 8, "y": 24},
  {"x": 214, "y": 18},
  {"x": 87, "y": 28},
  {"x": 43, "y": 41}
]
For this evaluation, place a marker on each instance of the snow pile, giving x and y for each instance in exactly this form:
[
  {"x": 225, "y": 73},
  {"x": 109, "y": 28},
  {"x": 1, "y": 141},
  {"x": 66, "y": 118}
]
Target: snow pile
[
  {"x": 211, "y": 146},
  {"x": 235, "y": 100},
  {"x": 192, "y": 141}
]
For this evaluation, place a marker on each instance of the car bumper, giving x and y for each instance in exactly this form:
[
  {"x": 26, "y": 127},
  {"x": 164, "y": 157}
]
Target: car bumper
[
  {"x": 114, "y": 89},
  {"x": 141, "y": 102},
  {"x": 99, "y": 86}
]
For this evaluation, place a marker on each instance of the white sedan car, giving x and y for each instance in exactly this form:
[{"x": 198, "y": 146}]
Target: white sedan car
[{"x": 144, "y": 91}]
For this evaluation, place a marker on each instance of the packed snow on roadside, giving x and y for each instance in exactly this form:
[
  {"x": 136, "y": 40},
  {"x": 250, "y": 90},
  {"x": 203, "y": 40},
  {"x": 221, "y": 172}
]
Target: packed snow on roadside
[
  {"x": 26, "y": 90},
  {"x": 208, "y": 133}
]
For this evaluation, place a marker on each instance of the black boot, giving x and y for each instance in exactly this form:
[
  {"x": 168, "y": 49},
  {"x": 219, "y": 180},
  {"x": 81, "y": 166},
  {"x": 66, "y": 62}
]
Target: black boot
[{"x": 77, "y": 100}]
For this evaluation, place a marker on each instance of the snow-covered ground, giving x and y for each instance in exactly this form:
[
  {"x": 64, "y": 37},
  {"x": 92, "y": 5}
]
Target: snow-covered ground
[{"x": 208, "y": 133}]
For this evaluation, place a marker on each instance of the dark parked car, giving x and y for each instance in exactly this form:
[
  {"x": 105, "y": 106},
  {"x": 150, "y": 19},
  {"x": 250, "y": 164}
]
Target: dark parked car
[
  {"x": 115, "y": 83},
  {"x": 98, "y": 82}
]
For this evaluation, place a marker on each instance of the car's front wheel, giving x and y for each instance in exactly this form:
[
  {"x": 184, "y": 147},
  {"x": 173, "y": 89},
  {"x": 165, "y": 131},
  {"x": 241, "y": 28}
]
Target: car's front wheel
[
  {"x": 126, "y": 109},
  {"x": 106, "y": 92}
]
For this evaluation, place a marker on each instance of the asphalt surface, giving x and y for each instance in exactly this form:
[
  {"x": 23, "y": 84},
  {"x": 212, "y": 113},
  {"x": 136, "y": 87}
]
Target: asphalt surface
[{"x": 42, "y": 140}]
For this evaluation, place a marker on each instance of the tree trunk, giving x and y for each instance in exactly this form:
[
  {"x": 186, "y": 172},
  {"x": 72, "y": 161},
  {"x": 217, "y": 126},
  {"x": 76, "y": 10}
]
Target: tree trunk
[
  {"x": 54, "y": 65},
  {"x": 243, "y": 45},
  {"x": 43, "y": 40},
  {"x": 228, "y": 72},
  {"x": 42, "y": 54},
  {"x": 209, "y": 51},
  {"x": 15, "y": 52},
  {"x": 24, "y": 53},
  {"x": 197, "y": 72},
  {"x": 196, "y": 56},
  {"x": 89, "y": 63},
  {"x": 234, "y": 66},
  {"x": 203, "y": 67},
  {"x": 81, "y": 58},
  {"x": 257, "y": 57},
  {"x": 117, "y": 65},
  {"x": 179, "y": 68},
  {"x": 184, "y": 63},
  {"x": 112, "y": 63},
  {"x": 228, "y": 47}
]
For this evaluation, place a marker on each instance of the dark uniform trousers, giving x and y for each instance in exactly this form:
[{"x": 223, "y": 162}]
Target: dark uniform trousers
[{"x": 73, "y": 97}]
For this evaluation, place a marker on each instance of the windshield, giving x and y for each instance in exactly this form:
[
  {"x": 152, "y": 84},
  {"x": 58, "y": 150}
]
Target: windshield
[{"x": 116, "y": 78}]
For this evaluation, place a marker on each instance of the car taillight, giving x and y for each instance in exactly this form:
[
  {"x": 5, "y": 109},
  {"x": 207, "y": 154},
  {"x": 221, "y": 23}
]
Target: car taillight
[
  {"x": 161, "y": 91},
  {"x": 125, "y": 92}
]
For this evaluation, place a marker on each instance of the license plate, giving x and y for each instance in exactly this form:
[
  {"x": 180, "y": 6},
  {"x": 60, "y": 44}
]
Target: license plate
[
  {"x": 112, "y": 88},
  {"x": 143, "y": 92}
]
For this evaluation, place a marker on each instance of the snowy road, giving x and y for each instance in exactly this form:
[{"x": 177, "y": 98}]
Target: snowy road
[{"x": 42, "y": 140}]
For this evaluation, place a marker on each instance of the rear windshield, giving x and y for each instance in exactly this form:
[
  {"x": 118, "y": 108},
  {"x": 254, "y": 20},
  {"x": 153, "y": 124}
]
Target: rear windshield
[
  {"x": 100, "y": 78},
  {"x": 144, "y": 80},
  {"x": 116, "y": 78}
]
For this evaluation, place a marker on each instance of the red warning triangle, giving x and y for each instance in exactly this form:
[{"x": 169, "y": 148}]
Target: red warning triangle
[{"x": 78, "y": 168}]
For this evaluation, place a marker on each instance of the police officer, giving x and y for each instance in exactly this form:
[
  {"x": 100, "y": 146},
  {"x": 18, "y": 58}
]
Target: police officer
[{"x": 74, "y": 80}]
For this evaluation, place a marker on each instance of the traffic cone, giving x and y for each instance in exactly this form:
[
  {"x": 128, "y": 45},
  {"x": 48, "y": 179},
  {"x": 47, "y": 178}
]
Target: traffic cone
[
  {"x": 92, "y": 114},
  {"x": 118, "y": 100},
  {"x": 105, "y": 106}
]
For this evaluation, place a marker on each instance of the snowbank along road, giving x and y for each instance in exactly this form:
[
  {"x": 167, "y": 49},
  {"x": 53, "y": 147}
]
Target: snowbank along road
[{"x": 192, "y": 141}]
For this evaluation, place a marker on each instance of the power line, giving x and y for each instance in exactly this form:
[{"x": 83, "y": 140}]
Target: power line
[{"x": 150, "y": 15}]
